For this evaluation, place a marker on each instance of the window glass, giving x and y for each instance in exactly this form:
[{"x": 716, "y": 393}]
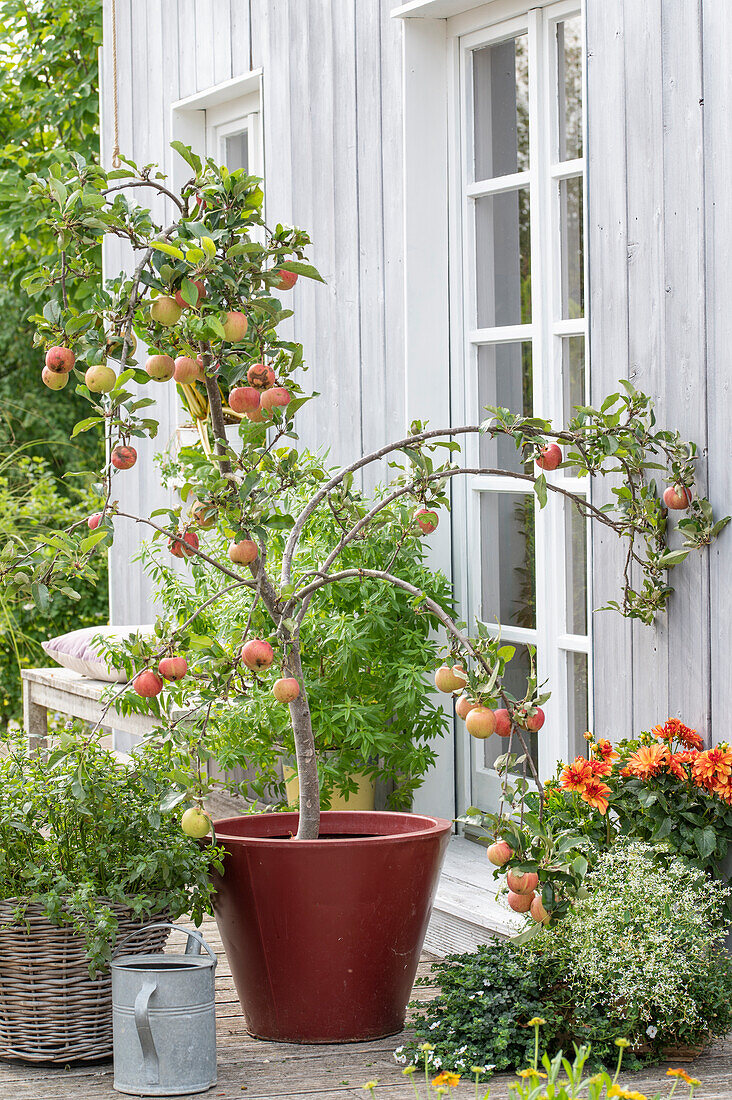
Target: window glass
[
  {"x": 569, "y": 74},
  {"x": 508, "y": 559},
  {"x": 576, "y": 569},
  {"x": 500, "y": 108},
  {"x": 236, "y": 151},
  {"x": 504, "y": 380},
  {"x": 577, "y": 701},
  {"x": 572, "y": 245},
  {"x": 503, "y": 259},
  {"x": 573, "y": 374}
]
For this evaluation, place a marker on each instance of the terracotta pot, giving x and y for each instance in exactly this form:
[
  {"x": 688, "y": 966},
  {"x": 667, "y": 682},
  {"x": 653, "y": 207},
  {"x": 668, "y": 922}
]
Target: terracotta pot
[{"x": 323, "y": 936}]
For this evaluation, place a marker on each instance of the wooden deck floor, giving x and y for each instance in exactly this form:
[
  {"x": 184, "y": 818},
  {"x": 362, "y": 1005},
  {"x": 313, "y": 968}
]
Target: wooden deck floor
[{"x": 255, "y": 1070}]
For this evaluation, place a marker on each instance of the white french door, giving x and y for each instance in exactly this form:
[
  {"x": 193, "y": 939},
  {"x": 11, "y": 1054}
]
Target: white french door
[{"x": 518, "y": 339}]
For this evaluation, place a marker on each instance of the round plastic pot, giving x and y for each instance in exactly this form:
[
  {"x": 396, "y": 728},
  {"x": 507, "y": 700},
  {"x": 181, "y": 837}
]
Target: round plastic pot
[{"x": 323, "y": 936}]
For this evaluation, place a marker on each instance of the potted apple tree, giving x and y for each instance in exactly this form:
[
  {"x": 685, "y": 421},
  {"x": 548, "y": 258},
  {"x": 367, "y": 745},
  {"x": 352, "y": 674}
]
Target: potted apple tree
[{"x": 322, "y": 914}]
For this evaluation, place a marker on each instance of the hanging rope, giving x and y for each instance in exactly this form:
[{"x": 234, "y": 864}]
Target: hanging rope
[{"x": 115, "y": 150}]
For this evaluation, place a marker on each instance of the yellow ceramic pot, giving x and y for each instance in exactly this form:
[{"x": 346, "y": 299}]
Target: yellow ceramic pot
[{"x": 361, "y": 799}]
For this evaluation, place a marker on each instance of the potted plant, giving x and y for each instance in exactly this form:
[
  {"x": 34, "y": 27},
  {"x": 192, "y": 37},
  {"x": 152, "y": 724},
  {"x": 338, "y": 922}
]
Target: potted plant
[
  {"x": 86, "y": 858},
  {"x": 332, "y": 954}
]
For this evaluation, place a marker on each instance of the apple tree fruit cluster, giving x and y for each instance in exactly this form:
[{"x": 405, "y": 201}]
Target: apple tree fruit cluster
[{"x": 204, "y": 298}]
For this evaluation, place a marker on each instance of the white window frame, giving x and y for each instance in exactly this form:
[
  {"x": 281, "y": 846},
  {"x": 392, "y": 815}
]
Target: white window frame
[{"x": 435, "y": 32}]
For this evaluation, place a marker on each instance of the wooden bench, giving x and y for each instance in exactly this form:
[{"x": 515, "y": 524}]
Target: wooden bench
[{"x": 68, "y": 692}]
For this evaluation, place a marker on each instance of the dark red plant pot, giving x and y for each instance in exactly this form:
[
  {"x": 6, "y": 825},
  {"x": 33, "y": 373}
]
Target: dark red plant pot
[{"x": 323, "y": 936}]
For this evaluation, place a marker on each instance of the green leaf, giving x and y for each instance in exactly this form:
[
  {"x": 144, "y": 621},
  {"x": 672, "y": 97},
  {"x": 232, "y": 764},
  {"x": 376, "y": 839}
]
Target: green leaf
[
  {"x": 188, "y": 155},
  {"x": 91, "y": 540},
  {"x": 168, "y": 249},
  {"x": 540, "y": 490},
  {"x": 307, "y": 270},
  {"x": 85, "y": 425},
  {"x": 209, "y": 247},
  {"x": 189, "y": 293}
]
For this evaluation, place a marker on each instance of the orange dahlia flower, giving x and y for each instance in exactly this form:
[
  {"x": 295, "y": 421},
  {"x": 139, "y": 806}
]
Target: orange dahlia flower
[
  {"x": 595, "y": 794},
  {"x": 675, "y": 730},
  {"x": 712, "y": 767},
  {"x": 678, "y": 762},
  {"x": 646, "y": 761},
  {"x": 601, "y": 767},
  {"x": 604, "y": 749},
  {"x": 577, "y": 775}
]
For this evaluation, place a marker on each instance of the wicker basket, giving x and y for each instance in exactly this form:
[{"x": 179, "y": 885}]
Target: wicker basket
[{"x": 50, "y": 1009}]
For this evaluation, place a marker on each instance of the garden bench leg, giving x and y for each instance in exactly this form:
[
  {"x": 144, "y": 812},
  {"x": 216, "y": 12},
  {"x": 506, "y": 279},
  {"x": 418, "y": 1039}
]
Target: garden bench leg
[{"x": 35, "y": 718}]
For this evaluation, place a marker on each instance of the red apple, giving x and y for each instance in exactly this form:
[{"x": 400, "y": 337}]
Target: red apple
[
  {"x": 277, "y": 396},
  {"x": 124, "y": 458},
  {"x": 165, "y": 310},
  {"x": 522, "y": 882},
  {"x": 94, "y": 521},
  {"x": 286, "y": 280},
  {"x": 449, "y": 679},
  {"x": 550, "y": 457},
  {"x": 534, "y": 722},
  {"x": 677, "y": 497},
  {"x": 255, "y": 415},
  {"x": 184, "y": 546},
  {"x": 201, "y": 295},
  {"x": 261, "y": 376},
  {"x": 244, "y": 399},
  {"x": 481, "y": 722},
  {"x": 520, "y": 903},
  {"x": 160, "y": 367},
  {"x": 464, "y": 706},
  {"x": 173, "y": 668},
  {"x": 55, "y": 380},
  {"x": 100, "y": 378},
  {"x": 147, "y": 684},
  {"x": 187, "y": 370},
  {"x": 59, "y": 359},
  {"x": 204, "y": 514},
  {"x": 257, "y": 654},
  {"x": 235, "y": 327},
  {"x": 426, "y": 519},
  {"x": 538, "y": 912},
  {"x": 499, "y": 853},
  {"x": 503, "y": 722},
  {"x": 286, "y": 689},
  {"x": 244, "y": 552}
]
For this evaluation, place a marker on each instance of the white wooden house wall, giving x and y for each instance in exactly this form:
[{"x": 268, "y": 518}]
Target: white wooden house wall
[
  {"x": 333, "y": 148},
  {"x": 659, "y": 93}
]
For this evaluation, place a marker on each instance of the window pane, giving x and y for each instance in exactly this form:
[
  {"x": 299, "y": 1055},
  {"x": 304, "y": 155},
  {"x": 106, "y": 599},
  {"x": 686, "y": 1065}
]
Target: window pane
[
  {"x": 576, "y": 569},
  {"x": 577, "y": 701},
  {"x": 515, "y": 680},
  {"x": 236, "y": 151},
  {"x": 505, "y": 380},
  {"x": 573, "y": 272},
  {"x": 508, "y": 559},
  {"x": 503, "y": 259},
  {"x": 569, "y": 76},
  {"x": 573, "y": 374},
  {"x": 501, "y": 108}
]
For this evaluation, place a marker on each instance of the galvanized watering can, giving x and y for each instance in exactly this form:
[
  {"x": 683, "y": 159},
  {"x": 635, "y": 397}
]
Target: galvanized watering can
[{"x": 164, "y": 1019}]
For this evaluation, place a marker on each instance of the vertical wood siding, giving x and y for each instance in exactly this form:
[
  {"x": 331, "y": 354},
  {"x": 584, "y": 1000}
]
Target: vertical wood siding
[
  {"x": 659, "y": 159},
  {"x": 333, "y": 140}
]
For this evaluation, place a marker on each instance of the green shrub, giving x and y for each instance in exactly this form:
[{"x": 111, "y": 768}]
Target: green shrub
[
  {"x": 642, "y": 952},
  {"x": 638, "y": 957},
  {"x": 80, "y": 831},
  {"x": 31, "y": 499}
]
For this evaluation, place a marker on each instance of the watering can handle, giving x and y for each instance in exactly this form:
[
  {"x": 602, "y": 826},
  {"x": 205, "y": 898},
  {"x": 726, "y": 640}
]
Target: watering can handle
[
  {"x": 193, "y": 946},
  {"x": 144, "y": 1031}
]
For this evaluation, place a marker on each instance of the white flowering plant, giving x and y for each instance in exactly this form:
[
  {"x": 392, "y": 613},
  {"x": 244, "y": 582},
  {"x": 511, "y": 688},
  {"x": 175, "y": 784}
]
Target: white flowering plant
[{"x": 643, "y": 950}]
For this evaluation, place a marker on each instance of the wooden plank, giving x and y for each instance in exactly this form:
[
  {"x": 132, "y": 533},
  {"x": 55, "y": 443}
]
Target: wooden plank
[
  {"x": 685, "y": 336},
  {"x": 717, "y": 40},
  {"x": 608, "y": 328},
  {"x": 241, "y": 40},
  {"x": 646, "y": 293}
]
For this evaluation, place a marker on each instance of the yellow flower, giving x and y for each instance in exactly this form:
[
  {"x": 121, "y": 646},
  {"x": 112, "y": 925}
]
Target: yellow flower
[
  {"x": 623, "y": 1094},
  {"x": 530, "y": 1073},
  {"x": 369, "y": 1086},
  {"x": 537, "y": 1021},
  {"x": 409, "y": 1071},
  {"x": 426, "y": 1046},
  {"x": 447, "y": 1078},
  {"x": 622, "y": 1043}
]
